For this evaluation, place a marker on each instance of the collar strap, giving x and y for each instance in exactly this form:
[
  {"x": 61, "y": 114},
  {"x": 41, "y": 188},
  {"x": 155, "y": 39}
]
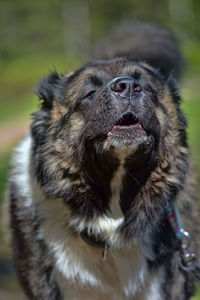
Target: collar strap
[
  {"x": 188, "y": 260},
  {"x": 174, "y": 218}
]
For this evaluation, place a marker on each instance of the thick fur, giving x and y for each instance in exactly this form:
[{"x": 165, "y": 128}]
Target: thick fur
[
  {"x": 143, "y": 42},
  {"x": 105, "y": 152}
]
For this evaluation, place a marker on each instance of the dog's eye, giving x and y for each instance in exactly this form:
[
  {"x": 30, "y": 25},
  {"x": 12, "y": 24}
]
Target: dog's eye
[{"x": 90, "y": 93}]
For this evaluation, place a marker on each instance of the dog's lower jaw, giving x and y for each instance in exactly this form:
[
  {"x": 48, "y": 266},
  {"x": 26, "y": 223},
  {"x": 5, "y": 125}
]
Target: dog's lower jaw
[{"x": 125, "y": 146}]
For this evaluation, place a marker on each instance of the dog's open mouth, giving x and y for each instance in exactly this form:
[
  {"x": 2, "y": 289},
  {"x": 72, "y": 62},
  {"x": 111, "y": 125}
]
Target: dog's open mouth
[{"x": 128, "y": 126}]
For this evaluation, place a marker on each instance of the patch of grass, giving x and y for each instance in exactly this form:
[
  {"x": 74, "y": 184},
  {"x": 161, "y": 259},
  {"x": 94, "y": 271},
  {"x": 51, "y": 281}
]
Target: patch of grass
[
  {"x": 19, "y": 77},
  {"x": 19, "y": 109},
  {"x": 197, "y": 296},
  {"x": 4, "y": 171},
  {"x": 32, "y": 68},
  {"x": 192, "y": 111},
  {"x": 191, "y": 52}
]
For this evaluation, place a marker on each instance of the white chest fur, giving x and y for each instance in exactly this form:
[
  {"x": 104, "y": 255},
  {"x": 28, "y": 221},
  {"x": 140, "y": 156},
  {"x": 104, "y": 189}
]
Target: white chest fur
[
  {"x": 84, "y": 275},
  {"x": 80, "y": 270}
]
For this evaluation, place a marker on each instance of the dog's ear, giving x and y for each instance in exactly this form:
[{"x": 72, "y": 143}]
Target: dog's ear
[{"x": 52, "y": 88}]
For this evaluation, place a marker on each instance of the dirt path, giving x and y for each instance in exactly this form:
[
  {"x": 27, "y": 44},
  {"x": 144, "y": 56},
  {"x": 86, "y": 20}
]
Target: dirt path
[
  {"x": 10, "y": 134},
  {"x": 5, "y": 295}
]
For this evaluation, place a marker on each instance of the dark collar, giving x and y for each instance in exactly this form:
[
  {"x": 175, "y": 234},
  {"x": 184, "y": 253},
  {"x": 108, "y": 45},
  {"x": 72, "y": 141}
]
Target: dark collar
[
  {"x": 188, "y": 260},
  {"x": 173, "y": 217}
]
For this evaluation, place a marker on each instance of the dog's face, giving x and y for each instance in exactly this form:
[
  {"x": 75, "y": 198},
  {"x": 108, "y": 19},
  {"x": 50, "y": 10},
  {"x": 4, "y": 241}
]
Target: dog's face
[
  {"x": 106, "y": 113},
  {"x": 117, "y": 103}
]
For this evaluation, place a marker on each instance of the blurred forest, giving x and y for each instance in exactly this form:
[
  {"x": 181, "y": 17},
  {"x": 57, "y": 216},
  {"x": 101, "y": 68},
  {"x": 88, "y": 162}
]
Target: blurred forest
[{"x": 40, "y": 36}]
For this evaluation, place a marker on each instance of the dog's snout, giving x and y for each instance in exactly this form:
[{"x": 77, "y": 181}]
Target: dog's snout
[{"x": 125, "y": 86}]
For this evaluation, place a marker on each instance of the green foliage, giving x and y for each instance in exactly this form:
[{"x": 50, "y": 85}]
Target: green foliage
[
  {"x": 197, "y": 296},
  {"x": 192, "y": 111},
  {"x": 20, "y": 76},
  {"x": 192, "y": 53},
  {"x": 4, "y": 170}
]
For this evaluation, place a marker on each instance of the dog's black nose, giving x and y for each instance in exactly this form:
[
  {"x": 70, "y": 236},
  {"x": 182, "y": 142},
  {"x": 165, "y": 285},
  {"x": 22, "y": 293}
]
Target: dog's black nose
[{"x": 125, "y": 86}]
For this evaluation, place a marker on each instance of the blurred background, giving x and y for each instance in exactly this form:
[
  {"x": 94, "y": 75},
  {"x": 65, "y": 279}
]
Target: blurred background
[{"x": 40, "y": 36}]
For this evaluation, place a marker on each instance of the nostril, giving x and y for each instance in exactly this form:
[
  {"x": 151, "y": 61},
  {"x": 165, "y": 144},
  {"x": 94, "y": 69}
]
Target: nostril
[
  {"x": 122, "y": 86},
  {"x": 126, "y": 86},
  {"x": 137, "y": 88},
  {"x": 119, "y": 87}
]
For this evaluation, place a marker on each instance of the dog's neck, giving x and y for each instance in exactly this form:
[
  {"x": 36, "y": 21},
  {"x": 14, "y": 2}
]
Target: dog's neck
[
  {"x": 117, "y": 177},
  {"x": 116, "y": 187}
]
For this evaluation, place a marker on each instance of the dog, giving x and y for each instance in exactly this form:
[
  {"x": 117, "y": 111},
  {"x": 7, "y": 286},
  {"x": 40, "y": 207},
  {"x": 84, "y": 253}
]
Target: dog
[{"x": 102, "y": 180}]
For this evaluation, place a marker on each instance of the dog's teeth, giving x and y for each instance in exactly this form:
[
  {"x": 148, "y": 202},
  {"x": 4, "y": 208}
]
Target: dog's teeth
[{"x": 139, "y": 125}]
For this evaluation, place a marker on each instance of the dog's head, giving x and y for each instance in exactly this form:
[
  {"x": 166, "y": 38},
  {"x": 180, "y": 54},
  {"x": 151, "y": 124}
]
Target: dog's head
[
  {"x": 104, "y": 114},
  {"x": 117, "y": 101}
]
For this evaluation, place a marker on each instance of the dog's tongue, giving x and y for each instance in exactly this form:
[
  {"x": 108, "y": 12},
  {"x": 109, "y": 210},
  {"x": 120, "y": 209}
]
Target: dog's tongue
[{"x": 125, "y": 129}]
